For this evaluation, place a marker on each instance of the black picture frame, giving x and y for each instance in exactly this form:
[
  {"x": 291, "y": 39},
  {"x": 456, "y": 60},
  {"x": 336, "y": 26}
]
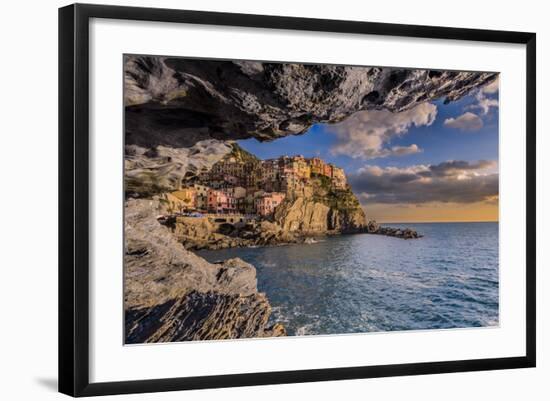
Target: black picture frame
[{"x": 74, "y": 201}]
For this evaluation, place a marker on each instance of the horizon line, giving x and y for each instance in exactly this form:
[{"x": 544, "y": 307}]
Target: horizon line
[{"x": 437, "y": 221}]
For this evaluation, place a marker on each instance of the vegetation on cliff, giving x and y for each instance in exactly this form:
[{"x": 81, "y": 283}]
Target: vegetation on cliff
[
  {"x": 241, "y": 155},
  {"x": 340, "y": 199},
  {"x": 321, "y": 208}
]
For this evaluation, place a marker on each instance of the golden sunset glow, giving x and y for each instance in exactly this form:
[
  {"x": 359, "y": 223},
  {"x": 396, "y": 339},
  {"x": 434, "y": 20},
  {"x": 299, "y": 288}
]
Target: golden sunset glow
[{"x": 433, "y": 212}]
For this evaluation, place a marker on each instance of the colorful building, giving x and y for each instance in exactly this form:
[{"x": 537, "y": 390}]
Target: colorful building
[
  {"x": 220, "y": 202},
  {"x": 201, "y": 196},
  {"x": 259, "y": 187},
  {"x": 266, "y": 203},
  {"x": 182, "y": 200},
  {"x": 292, "y": 182},
  {"x": 338, "y": 177},
  {"x": 301, "y": 167},
  {"x": 235, "y": 192},
  {"x": 270, "y": 170},
  {"x": 327, "y": 170},
  {"x": 316, "y": 165}
]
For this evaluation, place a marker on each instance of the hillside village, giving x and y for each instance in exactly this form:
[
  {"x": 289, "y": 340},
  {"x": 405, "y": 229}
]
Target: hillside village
[{"x": 242, "y": 184}]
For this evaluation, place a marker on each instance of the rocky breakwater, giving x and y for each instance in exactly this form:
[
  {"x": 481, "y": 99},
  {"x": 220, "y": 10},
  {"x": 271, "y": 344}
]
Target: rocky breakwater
[
  {"x": 171, "y": 294},
  {"x": 405, "y": 233}
]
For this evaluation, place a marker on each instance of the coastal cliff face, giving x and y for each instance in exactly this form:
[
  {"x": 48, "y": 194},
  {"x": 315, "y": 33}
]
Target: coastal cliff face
[
  {"x": 321, "y": 209},
  {"x": 303, "y": 215},
  {"x": 171, "y": 294}
]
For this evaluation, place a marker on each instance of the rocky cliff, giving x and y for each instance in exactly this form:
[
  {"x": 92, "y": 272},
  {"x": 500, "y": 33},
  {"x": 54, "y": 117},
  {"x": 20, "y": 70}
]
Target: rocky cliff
[
  {"x": 320, "y": 209},
  {"x": 162, "y": 169},
  {"x": 176, "y": 102},
  {"x": 171, "y": 294}
]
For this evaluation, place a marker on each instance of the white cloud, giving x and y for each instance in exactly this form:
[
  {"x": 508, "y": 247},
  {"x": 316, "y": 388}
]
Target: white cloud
[
  {"x": 484, "y": 102},
  {"x": 405, "y": 150},
  {"x": 465, "y": 122},
  {"x": 366, "y": 134}
]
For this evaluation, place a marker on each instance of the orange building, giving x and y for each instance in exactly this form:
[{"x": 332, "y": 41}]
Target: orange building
[
  {"x": 327, "y": 170},
  {"x": 316, "y": 165},
  {"x": 180, "y": 201}
]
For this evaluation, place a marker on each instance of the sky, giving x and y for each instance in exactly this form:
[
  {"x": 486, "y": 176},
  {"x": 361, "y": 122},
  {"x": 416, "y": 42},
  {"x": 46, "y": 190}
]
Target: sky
[{"x": 435, "y": 162}]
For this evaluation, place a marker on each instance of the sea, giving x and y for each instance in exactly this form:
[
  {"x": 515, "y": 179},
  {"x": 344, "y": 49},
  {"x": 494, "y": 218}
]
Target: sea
[{"x": 362, "y": 283}]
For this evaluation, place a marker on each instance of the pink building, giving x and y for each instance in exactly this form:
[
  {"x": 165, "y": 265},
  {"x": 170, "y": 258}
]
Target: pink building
[
  {"x": 220, "y": 202},
  {"x": 265, "y": 204}
]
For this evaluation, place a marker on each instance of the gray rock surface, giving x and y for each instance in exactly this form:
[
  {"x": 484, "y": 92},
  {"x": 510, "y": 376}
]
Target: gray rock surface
[
  {"x": 173, "y": 290},
  {"x": 148, "y": 171},
  {"x": 202, "y": 316},
  {"x": 177, "y": 102}
]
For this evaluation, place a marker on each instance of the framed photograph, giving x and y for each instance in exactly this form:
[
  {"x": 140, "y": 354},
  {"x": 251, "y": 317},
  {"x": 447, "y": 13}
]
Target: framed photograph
[{"x": 249, "y": 199}]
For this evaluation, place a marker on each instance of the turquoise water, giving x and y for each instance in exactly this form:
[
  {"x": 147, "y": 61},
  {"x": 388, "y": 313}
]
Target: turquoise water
[{"x": 367, "y": 283}]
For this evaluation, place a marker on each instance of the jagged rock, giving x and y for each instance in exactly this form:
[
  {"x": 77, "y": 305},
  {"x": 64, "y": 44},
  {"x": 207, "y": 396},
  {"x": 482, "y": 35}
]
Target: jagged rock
[
  {"x": 406, "y": 233},
  {"x": 269, "y": 227},
  {"x": 193, "y": 228},
  {"x": 303, "y": 215},
  {"x": 176, "y": 102},
  {"x": 277, "y": 330},
  {"x": 168, "y": 290},
  {"x": 148, "y": 171},
  {"x": 197, "y": 233},
  {"x": 319, "y": 209},
  {"x": 347, "y": 220},
  {"x": 308, "y": 216},
  {"x": 202, "y": 316},
  {"x": 373, "y": 227}
]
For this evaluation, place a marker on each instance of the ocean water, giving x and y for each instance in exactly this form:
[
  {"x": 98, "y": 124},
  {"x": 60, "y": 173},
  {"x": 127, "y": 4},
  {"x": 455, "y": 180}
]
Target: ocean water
[{"x": 371, "y": 283}]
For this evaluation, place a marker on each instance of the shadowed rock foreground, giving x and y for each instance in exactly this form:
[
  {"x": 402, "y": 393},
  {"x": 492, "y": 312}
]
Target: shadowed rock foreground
[
  {"x": 179, "y": 115},
  {"x": 170, "y": 294}
]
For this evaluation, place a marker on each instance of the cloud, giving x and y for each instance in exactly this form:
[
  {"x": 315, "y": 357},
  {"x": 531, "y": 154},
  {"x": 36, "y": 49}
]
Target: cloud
[
  {"x": 492, "y": 87},
  {"x": 450, "y": 181},
  {"x": 405, "y": 150},
  {"x": 457, "y": 167},
  {"x": 465, "y": 122},
  {"x": 485, "y": 99},
  {"x": 366, "y": 134},
  {"x": 484, "y": 102}
]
